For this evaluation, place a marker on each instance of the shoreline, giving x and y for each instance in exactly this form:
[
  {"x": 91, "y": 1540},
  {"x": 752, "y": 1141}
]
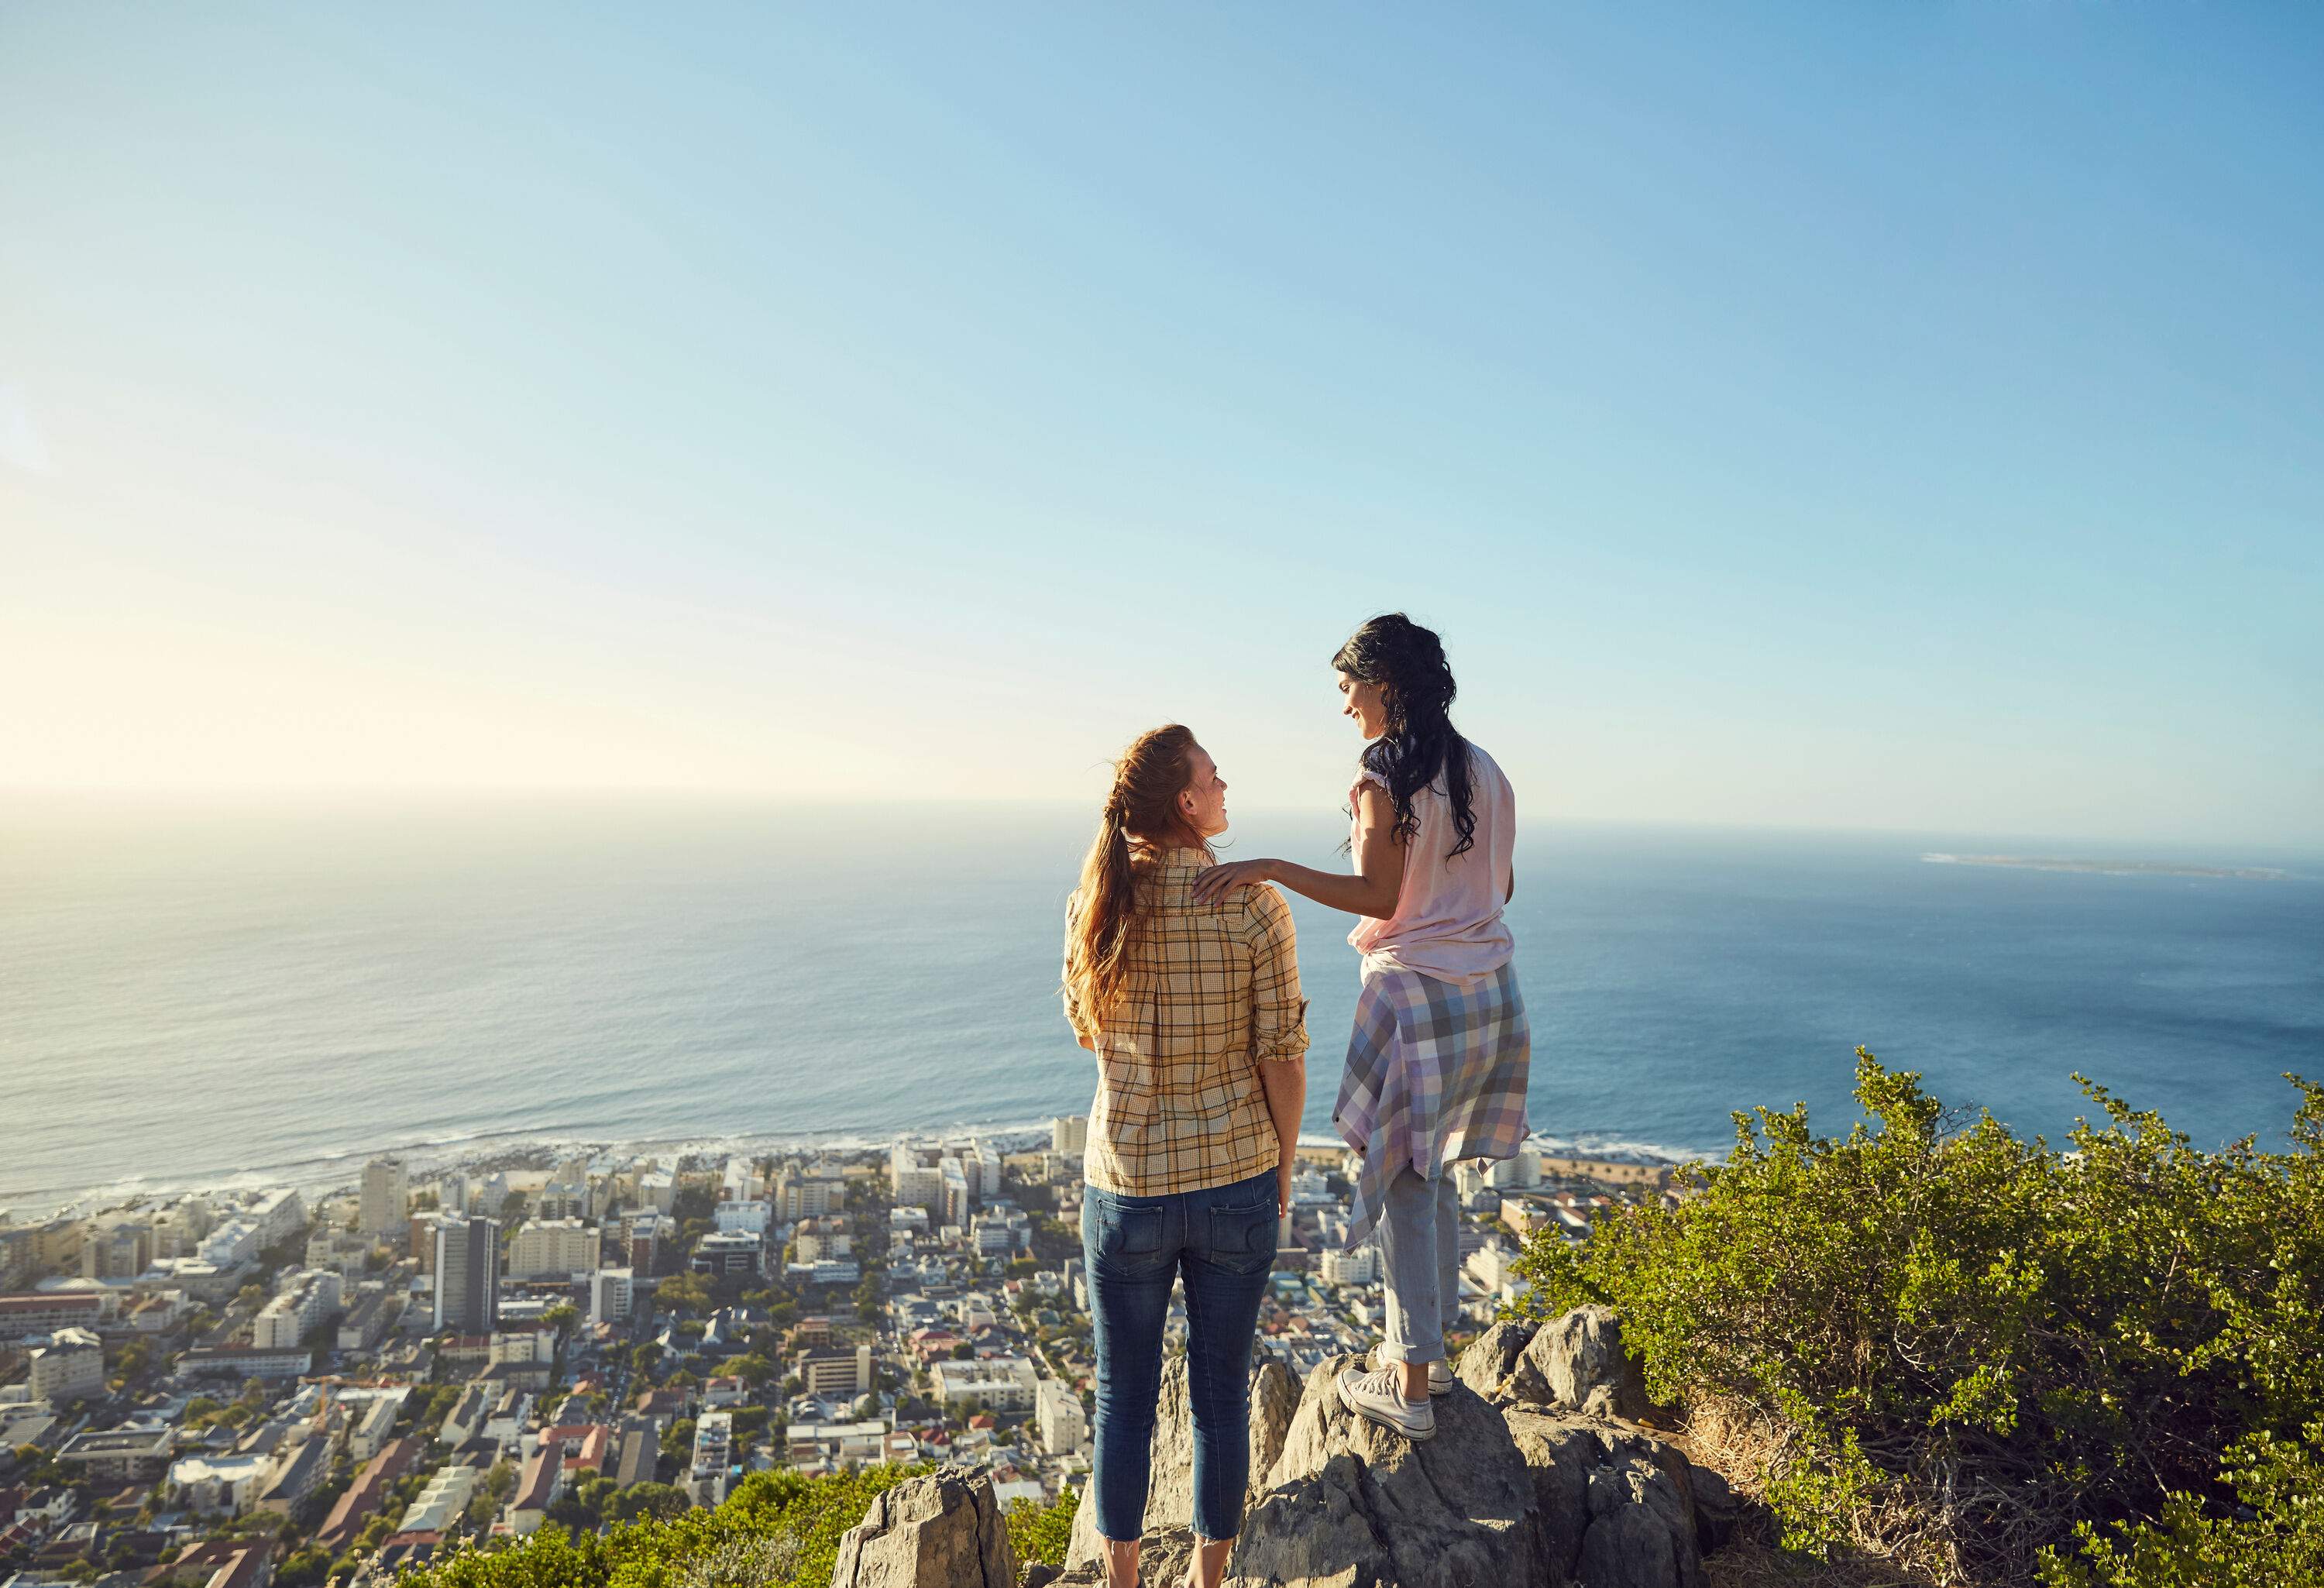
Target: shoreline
[{"x": 532, "y": 1151}]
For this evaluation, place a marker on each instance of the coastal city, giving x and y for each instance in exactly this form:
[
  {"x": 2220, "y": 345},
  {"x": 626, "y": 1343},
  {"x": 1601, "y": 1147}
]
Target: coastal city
[{"x": 278, "y": 1388}]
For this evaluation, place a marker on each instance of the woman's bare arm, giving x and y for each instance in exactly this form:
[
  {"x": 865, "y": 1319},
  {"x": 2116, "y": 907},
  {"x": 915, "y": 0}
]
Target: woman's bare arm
[
  {"x": 1371, "y": 890},
  {"x": 1285, "y": 1081}
]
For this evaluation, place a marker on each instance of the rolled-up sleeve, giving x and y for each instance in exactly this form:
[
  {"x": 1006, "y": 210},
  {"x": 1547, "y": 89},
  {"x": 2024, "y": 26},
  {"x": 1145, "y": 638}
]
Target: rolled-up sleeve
[
  {"x": 1076, "y": 1016},
  {"x": 1278, "y": 1014}
]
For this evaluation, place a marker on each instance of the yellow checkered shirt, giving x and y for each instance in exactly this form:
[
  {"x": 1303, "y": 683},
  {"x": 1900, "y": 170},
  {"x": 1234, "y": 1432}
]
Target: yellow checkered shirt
[{"x": 1212, "y": 993}]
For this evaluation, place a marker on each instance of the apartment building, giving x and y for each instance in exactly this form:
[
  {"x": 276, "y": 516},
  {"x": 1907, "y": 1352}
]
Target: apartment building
[
  {"x": 726, "y": 1253},
  {"x": 467, "y": 1298},
  {"x": 837, "y": 1369},
  {"x": 714, "y": 1455},
  {"x": 1059, "y": 1415},
  {"x": 386, "y": 1201},
  {"x": 46, "y": 1314},
  {"x": 307, "y": 1300},
  {"x": 70, "y": 1367},
  {"x": 610, "y": 1295},
  {"x": 996, "y": 1384},
  {"x": 553, "y": 1249}
]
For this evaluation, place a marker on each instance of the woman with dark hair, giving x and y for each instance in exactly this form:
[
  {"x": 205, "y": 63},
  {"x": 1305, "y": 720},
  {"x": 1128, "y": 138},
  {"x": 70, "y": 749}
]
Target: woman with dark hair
[
  {"x": 1437, "y": 1065},
  {"x": 1193, "y": 1009}
]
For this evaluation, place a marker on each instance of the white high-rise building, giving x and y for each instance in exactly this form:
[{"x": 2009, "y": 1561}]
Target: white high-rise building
[
  {"x": 1520, "y": 1173},
  {"x": 913, "y": 1184},
  {"x": 610, "y": 1296},
  {"x": 747, "y": 1217},
  {"x": 1069, "y": 1133},
  {"x": 467, "y": 1276},
  {"x": 307, "y": 1299},
  {"x": 713, "y": 1445},
  {"x": 552, "y": 1248},
  {"x": 808, "y": 1193},
  {"x": 386, "y": 1198},
  {"x": 70, "y": 1367},
  {"x": 1058, "y": 1412},
  {"x": 958, "y": 1195},
  {"x": 739, "y": 1181}
]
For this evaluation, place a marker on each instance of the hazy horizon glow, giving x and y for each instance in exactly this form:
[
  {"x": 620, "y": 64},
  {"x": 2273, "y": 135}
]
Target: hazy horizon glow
[{"x": 1866, "y": 417}]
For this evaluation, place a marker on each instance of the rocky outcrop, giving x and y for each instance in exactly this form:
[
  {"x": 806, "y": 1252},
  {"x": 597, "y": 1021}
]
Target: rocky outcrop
[
  {"x": 1533, "y": 1485},
  {"x": 1539, "y": 1474},
  {"x": 940, "y": 1531},
  {"x": 1170, "y": 1492},
  {"x": 1574, "y": 1363}
]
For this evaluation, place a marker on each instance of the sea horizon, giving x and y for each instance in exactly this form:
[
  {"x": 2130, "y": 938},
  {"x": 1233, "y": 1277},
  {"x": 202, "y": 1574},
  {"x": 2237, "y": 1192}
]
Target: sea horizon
[{"x": 215, "y": 1000}]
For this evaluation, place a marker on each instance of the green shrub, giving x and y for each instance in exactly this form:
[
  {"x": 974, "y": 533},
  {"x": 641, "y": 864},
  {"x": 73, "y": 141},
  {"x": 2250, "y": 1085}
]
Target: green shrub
[
  {"x": 2278, "y": 1543},
  {"x": 1961, "y": 1346},
  {"x": 1041, "y": 1532},
  {"x": 775, "y": 1530}
]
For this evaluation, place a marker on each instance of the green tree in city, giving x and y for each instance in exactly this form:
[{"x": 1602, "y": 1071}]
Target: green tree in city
[
  {"x": 1041, "y": 1532},
  {"x": 642, "y": 1501}
]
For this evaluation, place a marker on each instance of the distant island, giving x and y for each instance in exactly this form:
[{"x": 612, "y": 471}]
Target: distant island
[{"x": 2113, "y": 868}]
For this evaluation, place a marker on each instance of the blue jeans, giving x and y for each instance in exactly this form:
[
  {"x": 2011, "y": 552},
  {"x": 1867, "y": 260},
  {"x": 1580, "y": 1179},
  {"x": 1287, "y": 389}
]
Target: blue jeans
[{"x": 1221, "y": 1241}]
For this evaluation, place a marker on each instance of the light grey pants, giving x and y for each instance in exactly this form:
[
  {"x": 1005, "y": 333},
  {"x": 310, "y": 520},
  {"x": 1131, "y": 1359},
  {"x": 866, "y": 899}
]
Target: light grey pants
[{"x": 1419, "y": 1236}]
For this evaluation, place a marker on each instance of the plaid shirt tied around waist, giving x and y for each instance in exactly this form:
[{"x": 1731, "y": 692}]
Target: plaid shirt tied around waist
[
  {"x": 1212, "y": 993},
  {"x": 1436, "y": 1073}
]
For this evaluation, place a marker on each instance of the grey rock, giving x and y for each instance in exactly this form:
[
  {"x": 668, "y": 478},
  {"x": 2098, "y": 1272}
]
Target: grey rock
[
  {"x": 1528, "y": 1481},
  {"x": 940, "y": 1531},
  {"x": 1718, "y": 1510},
  {"x": 1643, "y": 1530},
  {"x": 1491, "y": 1356},
  {"x": 1629, "y": 1547},
  {"x": 1170, "y": 1486},
  {"x": 1038, "y": 1574},
  {"x": 1577, "y": 1360},
  {"x": 1274, "y": 1403},
  {"x": 1350, "y": 1501},
  {"x": 1559, "y": 1452}
]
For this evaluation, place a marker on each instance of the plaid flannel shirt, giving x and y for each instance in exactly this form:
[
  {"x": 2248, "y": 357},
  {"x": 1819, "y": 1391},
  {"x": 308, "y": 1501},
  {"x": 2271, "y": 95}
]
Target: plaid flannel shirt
[{"x": 1212, "y": 993}]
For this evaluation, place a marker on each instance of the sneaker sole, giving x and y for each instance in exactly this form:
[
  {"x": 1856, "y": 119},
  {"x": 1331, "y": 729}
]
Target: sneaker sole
[{"x": 1417, "y": 1436}]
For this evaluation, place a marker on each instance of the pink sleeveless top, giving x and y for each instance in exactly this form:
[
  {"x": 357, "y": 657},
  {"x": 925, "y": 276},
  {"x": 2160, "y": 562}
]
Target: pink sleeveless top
[{"x": 1448, "y": 914}]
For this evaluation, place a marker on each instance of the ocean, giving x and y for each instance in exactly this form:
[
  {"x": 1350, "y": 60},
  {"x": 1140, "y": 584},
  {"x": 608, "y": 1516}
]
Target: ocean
[{"x": 212, "y": 997}]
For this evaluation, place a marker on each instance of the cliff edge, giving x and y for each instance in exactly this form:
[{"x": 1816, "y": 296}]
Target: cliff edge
[{"x": 1541, "y": 1472}]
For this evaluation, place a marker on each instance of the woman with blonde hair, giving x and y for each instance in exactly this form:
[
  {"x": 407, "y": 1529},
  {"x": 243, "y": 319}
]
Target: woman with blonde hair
[{"x": 1193, "y": 1010}]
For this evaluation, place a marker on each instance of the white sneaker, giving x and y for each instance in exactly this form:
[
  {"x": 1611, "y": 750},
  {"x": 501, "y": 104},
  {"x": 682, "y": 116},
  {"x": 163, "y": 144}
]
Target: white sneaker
[
  {"x": 1440, "y": 1372},
  {"x": 1379, "y": 1396}
]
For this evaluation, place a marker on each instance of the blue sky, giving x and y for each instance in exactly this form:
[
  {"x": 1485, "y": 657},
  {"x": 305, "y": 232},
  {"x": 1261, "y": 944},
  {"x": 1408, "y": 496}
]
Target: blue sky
[{"x": 1898, "y": 416}]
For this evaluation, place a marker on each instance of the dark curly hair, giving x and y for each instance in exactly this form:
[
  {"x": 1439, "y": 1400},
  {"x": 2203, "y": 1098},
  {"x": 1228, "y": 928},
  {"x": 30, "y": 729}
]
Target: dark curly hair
[{"x": 1420, "y": 744}]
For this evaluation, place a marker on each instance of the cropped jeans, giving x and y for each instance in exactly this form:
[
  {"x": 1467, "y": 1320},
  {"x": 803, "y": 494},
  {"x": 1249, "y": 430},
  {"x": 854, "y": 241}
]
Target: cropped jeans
[
  {"x": 1221, "y": 1242},
  {"x": 1419, "y": 1236}
]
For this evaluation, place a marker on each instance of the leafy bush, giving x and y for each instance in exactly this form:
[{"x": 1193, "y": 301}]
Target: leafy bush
[
  {"x": 775, "y": 1530},
  {"x": 1041, "y": 1532},
  {"x": 2278, "y": 1543},
  {"x": 1961, "y": 1346}
]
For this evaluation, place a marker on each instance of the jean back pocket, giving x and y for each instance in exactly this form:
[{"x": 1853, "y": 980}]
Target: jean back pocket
[
  {"x": 1128, "y": 1231},
  {"x": 1244, "y": 1238}
]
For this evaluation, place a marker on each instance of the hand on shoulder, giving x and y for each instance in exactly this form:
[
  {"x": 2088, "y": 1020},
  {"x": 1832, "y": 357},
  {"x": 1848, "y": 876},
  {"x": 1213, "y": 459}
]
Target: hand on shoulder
[{"x": 1222, "y": 882}]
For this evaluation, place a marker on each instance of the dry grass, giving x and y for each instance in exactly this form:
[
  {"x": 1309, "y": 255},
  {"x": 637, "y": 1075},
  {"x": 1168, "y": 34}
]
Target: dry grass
[
  {"x": 1750, "y": 1563},
  {"x": 1898, "y": 1545}
]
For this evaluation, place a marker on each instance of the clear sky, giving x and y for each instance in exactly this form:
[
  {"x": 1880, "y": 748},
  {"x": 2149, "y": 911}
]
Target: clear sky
[{"x": 1858, "y": 415}]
